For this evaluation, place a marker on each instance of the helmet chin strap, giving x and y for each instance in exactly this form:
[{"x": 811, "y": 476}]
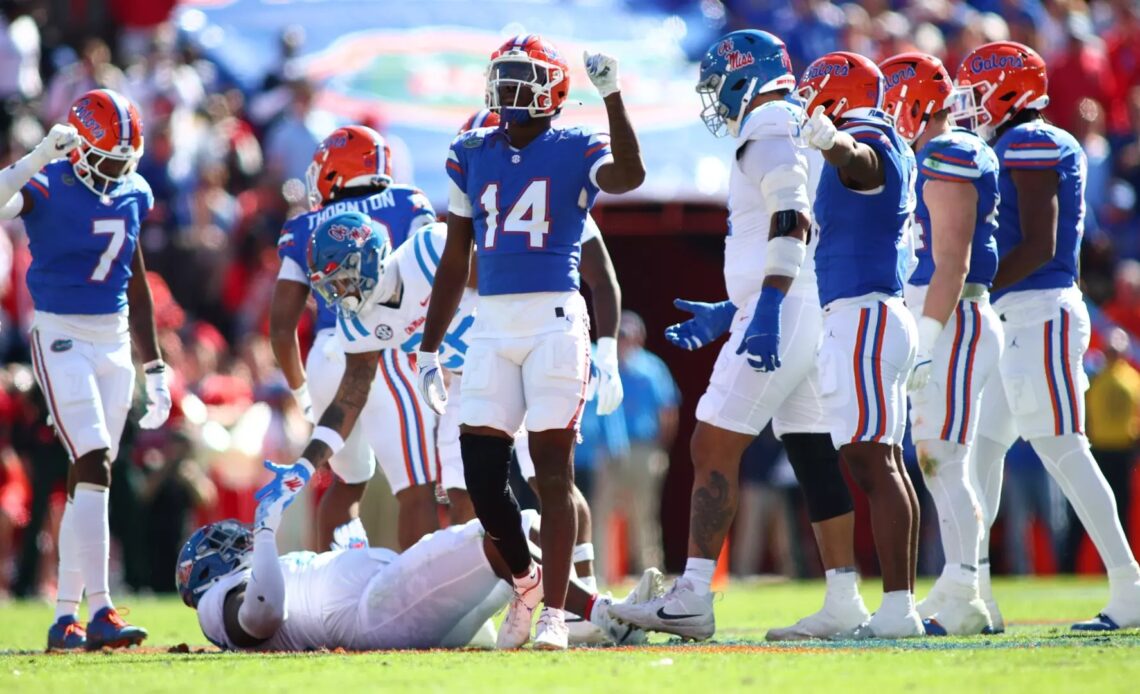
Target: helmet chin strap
[{"x": 735, "y": 123}]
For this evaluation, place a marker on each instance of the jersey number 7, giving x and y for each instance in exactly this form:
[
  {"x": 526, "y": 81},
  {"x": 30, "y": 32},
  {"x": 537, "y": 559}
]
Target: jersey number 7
[
  {"x": 117, "y": 230},
  {"x": 530, "y": 214}
]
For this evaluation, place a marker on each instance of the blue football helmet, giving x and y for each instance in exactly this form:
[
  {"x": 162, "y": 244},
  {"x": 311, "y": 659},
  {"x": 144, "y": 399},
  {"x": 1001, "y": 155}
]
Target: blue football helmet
[
  {"x": 346, "y": 260},
  {"x": 212, "y": 552},
  {"x": 736, "y": 69}
]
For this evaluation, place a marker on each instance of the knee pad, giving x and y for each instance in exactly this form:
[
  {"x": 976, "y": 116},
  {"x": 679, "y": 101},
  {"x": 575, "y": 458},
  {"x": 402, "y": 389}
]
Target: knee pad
[
  {"x": 816, "y": 464},
  {"x": 486, "y": 468}
]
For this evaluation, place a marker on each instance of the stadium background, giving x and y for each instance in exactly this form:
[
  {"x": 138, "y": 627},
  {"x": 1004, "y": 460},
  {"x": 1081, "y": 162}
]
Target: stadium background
[{"x": 235, "y": 94}]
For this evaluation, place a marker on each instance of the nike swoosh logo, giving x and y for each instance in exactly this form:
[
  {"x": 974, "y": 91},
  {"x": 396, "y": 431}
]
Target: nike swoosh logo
[{"x": 666, "y": 616}]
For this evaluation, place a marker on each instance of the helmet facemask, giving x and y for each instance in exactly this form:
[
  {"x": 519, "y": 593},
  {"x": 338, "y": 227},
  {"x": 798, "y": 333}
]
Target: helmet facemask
[
  {"x": 715, "y": 113},
  {"x": 349, "y": 284},
  {"x": 88, "y": 162},
  {"x": 514, "y": 76}
]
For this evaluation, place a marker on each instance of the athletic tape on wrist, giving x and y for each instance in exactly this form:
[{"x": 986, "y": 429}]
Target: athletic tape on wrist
[
  {"x": 785, "y": 256},
  {"x": 329, "y": 437}
]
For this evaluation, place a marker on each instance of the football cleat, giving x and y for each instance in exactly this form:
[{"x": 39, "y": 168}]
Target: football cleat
[
  {"x": 680, "y": 612},
  {"x": 583, "y": 632},
  {"x": 551, "y": 634},
  {"x": 996, "y": 620},
  {"x": 108, "y": 630},
  {"x": 959, "y": 617},
  {"x": 833, "y": 621},
  {"x": 67, "y": 634},
  {"x": 885, "y": 626},
  {"x": 1101, "y": 622},
  {"x": 935, "y": 600},
  {"x": 514, "y": 632}
]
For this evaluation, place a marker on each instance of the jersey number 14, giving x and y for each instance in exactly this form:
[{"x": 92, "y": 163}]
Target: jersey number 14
[{"x": 530, "y": 214}]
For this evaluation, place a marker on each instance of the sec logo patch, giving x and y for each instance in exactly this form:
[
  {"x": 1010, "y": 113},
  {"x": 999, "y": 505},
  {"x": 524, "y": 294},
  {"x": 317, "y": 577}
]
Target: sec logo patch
[
  {"x": 61, "y": 345},
  {"x": 384, "y": 332}
]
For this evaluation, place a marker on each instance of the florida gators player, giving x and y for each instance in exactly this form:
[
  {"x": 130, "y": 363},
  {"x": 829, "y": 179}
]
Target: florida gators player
[
  {"x": 862, "y": 206},
  {"x": 520, "y": 193},
  {"x": 351, "y": 170},
  {"x": 766, "y": 371},
  {"x": 959, "y": 334},
  {"x": 434, "y": 595},
  {"x": 88, "y": 283},
  {"x": 1040, "y": 225}
]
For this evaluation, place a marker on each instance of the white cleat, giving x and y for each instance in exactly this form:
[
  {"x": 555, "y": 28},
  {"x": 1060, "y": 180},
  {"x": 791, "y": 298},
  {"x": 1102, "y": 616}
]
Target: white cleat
[
  {"x": 551, "y": 634},
  {"x": 997, "y": 622},
  {"x": 583, "y": 632},
  {"x": 484, "y": 639},
  {"x": 834, "y": 621},
  {"x": 515, "y": 629},
  {"x": 680, "y": 612},
  {"x": 650, "y": 586},
  {"x": 960, "y": 617},
  {"x": 935, "y": 600},
  {"x": 897, "y": 626}
]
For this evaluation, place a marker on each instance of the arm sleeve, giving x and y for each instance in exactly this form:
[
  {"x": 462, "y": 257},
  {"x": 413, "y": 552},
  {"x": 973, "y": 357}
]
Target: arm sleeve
[
  {"x": 591, "y": 230},
  {"x": 263, "y": 611},
  {"x": 457, "y": 202}
]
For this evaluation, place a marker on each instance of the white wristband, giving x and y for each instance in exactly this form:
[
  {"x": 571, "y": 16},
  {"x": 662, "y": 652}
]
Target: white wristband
[
  {"x": 785, "y": 256},
  {"x": 301, "y": 392},
  {"x": 928, "y": 331},
  {"x": 329, "y": 437},
  {"x": 607, "y": 350}
]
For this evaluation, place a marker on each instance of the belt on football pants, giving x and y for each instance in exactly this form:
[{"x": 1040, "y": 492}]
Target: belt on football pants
[{"x": 973, "y": 291}]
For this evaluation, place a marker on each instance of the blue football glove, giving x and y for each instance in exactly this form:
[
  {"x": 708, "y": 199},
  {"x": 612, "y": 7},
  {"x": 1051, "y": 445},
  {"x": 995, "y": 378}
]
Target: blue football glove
[
  {"x": 275, "y": 497},
  {"x": 762, "y": 338},
  {"x": 709, "y": 322}
]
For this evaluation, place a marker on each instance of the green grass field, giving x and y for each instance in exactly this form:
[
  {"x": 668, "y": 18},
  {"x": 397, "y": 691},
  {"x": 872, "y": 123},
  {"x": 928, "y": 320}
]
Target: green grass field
[{"x": 1038, "y": 654}]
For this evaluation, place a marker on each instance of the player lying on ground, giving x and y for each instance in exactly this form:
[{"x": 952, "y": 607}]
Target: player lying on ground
[{"x": 437, "y": 594}]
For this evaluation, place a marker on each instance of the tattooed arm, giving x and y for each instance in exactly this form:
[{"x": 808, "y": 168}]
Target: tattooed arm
[{"x": 359, "y": 370}]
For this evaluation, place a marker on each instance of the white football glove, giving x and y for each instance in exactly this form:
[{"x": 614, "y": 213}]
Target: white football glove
[
  {"x": 305, "y": 401},
  {"x": 928, "y": 331},
  {"x": 610, "y": 392},
  {"x": 59, "y": 142},
  {"x": 157, "y": 395},
  {"x": 819, "y": 132},
  {"x": 602, "y": 71},
  {"x": 431, "y": 382}
]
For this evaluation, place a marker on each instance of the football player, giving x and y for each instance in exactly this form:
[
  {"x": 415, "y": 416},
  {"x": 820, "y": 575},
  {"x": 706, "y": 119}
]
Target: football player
[
  {"x": 1040, "y": 225},
  {"x": 862, "y": 206},
  {"x": 82, "y": 204},
  {"x": 520, "y": 194},
  {"x": 959, "y": 334},
  {"x": 351, "y": 171},
  {"x": 434, "y": 595},
  {"x": 766, "y": 371}
]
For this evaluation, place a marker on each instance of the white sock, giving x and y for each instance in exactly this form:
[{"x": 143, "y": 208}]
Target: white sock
[
  {"x": 842, "y": 584},
  {"x": 93, "y": 542},
  {"x": 70, "y": 590},
  {"x": 897, "y": 602},
  {"x": 989, "y": 465},
  {"x": 945, "y": 469},
  {"x": 590, "y": 582},
  {"x": 1071, "y": 463},
  {"x": 585, "y": 552},
  {"x": 962, "y": 575},
  {"x": 985, "y": 588},
  {"x": 1122, "y": 582},
  {"x": 530, "y": 580},
  {"x": 700, "y": 573}
]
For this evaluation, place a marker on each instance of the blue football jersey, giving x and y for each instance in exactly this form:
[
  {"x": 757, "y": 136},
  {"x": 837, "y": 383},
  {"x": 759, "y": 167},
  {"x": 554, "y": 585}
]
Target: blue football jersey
[
  {"x": 398, "y": 209},
  {"x": 862, "y": 248},
  {"x": 528, "y": 205},
  {"x": 1039, "y": 145},
  {"x": 960, "y": 156},
  {"x": 82, "y": 248}
]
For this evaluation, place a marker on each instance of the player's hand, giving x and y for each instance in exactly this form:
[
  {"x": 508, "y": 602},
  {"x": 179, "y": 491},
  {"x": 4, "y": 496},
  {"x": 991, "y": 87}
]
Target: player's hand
[
  {"x": 610, "y": 392},
  {"x": 819, "y": 132},
  {"x": 158, "y": 400},
  {"x": 709, "y": 322},
  {"x": 305, "y": 401},
  {"x": 279, "y": 492},
  {"x": 762, "y": 338},
  {"x": 928, "y": 331},
  {"x": 431, "y": 381},
  {"x": 59, "y": 142},
  {"x": 602, "y": 71}
]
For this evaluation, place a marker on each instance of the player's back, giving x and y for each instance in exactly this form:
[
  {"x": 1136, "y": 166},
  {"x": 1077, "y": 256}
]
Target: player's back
[
  {"x": 861, "y": 245},
  {"x": 769, "y": 127},
  {"x": 398, "y": 209},
  {"x": 81, "y": 245},
  {"x": 959, "y": 156},
  {"x": 1040, "y": 146},
  {"x": 528, "y": 205},
  {"x": 323, "y": 593}
]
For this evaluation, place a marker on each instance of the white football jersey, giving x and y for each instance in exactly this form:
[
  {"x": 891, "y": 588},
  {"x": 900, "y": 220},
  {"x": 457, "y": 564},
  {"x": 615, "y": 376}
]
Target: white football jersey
[
  {"x": 398, "y": 322},
  {"x": 769, "y": 140},
  {"x": 323, "y": 593}
]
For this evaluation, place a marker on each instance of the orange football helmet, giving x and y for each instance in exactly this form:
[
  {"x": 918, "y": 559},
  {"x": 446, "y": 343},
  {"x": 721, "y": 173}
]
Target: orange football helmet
[
  {"x": 527, "y": 66},
  {"x": 918, "y": 86},
  {"x": 1001, "y": 79},
  {"x": 846, "y": 84},
  {"x": 111, "y": 139},
  {"x": 483, "y": 118},
  {"x": 352, "y": 156}
]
